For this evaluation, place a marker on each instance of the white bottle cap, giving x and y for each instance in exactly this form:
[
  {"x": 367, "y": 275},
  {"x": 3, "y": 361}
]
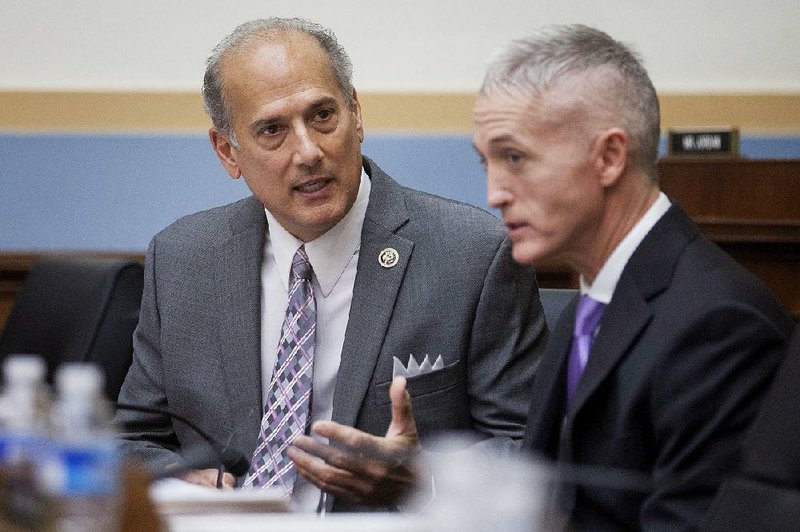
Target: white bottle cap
[
  {"x": 79, "y": 378},
  {"x": 24, "y": 369}
]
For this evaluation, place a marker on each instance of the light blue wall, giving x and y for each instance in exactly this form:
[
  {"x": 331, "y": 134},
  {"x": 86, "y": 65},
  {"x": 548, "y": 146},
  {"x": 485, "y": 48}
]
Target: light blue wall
[{"x": 113, "y": 192}]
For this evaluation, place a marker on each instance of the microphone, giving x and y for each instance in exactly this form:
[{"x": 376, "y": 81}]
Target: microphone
[{"x": 228, "y": 459}]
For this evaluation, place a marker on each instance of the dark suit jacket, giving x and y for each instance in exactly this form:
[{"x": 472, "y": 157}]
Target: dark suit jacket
[
  {"x": 685, "y": 350},
  {"x": 455, "y": 292},
  {"x": 765, "y": 493}
]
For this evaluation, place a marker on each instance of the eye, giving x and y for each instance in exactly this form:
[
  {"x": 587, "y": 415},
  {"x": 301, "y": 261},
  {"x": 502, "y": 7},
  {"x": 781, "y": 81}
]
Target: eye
[
  {"x": 324, "y": 114},
  {"x": 514, "y": 157},
  {"x": 271, "y": 129}
]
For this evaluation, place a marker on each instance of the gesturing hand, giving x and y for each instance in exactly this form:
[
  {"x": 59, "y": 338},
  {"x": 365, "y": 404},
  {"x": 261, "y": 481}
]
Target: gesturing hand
[{"x": 359, "y": 467}]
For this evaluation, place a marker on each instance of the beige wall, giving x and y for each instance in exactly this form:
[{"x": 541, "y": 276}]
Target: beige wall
[
  {"x": 398, "y": 45},
  {"x": 121, "y": 65},
  {"x": 36, "y": 111}
]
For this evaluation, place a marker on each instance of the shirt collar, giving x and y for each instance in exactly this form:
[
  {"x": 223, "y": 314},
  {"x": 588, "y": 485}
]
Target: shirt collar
[
  {"x": 328, "y": 254},
  {"x": 607, "y": 278}
]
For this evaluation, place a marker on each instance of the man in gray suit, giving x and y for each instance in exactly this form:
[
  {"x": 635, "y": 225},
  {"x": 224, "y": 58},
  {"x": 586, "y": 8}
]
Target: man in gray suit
[{"x": 400, "y": 279}]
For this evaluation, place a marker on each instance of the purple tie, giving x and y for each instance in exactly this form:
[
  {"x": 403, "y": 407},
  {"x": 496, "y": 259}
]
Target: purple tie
[
  {"x": 287, "y": 412},
  {"x": 587, "y": 318}
]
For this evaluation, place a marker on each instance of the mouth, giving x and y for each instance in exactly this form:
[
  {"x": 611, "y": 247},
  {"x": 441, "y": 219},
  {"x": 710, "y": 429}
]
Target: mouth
[{"x": 313, "y": 185}]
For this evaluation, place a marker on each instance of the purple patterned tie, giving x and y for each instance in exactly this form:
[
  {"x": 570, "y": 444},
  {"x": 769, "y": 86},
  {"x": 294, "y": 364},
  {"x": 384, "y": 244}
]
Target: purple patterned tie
[
  {"x": 587, "y": 318},
  {"x": 287, "y": 412}
]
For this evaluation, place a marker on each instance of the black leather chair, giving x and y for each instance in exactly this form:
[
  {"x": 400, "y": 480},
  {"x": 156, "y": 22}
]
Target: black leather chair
[
  {"x": 765, "y": 493},
  {"x": 77, "y": 308},
  {"x": 554, "y": 300}
]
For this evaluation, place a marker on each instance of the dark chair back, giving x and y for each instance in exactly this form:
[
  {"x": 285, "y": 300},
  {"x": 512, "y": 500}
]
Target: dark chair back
[{"x": 75, "y": 308}]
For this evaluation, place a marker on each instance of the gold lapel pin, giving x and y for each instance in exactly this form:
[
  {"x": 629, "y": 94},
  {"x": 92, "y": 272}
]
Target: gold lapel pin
[{"x": 388, "y": 257}]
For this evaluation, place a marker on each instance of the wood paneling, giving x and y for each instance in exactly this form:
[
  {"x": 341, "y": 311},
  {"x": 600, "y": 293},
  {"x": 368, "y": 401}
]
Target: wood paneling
[{"x": 750, "y": 208}]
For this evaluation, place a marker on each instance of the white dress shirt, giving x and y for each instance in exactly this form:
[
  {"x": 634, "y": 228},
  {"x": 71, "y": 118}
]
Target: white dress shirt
[
  {"x": 607, "y": 278},
  {"x": 334, "y": 259}
]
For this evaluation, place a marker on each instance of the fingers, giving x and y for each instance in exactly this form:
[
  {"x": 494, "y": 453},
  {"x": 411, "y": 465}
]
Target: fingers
[
  {"x": 402, "y": 415},
  {"x": 356, "y": 479},
  {"x": 347, "y": 436},
  {"x": 203, "y": 477},
  {"x": 228, "y": 481},
  {"x": 401, "y": 440},
  {"x": 356, "y": 441},
  {"x": 329, "y": 454},
  {"x": 306, "y": 453},
  {"x": 338, "y": 460},
  {"x": 359, "y": 467}
]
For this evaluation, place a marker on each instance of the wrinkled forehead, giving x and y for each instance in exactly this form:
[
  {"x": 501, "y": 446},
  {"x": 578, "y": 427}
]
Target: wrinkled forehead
[
  {"x": 533, "y": 119},
  {"x": 511, "y": 104}
]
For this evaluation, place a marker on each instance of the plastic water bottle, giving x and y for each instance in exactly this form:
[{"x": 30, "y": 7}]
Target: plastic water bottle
[
  {"x": 81, "y": 469},
  {"x": 23, "y": 420},
  {"x": 22, "y": 408}
]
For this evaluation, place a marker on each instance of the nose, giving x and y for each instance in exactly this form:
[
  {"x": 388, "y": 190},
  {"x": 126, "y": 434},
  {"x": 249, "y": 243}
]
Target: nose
[
  {"x": 497, "y": 194},
  {"x": 307, "y": 151}
]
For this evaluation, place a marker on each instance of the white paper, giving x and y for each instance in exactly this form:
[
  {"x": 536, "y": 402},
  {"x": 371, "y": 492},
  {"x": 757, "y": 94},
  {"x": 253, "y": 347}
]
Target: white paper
[{"x": 176, "y": 496}]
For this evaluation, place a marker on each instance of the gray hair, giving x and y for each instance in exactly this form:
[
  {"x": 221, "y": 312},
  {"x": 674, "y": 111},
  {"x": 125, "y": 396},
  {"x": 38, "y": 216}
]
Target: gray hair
[
  {"x": 536, "y": 64},
  {"x": 214, "y": 100}
]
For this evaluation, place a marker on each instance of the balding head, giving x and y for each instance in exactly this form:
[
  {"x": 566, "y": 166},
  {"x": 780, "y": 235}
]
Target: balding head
[{"x": 248, "y": 36}]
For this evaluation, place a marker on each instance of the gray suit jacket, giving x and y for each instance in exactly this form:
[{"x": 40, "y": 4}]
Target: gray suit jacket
[{"x": 455, "y": 292}]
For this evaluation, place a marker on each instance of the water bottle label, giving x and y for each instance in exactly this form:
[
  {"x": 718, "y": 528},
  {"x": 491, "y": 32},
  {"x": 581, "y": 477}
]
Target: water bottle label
[
  {"x": 91, "y": 471},
  {"x": 16, "y": 448},
  {"x": 86, "y": 470}
]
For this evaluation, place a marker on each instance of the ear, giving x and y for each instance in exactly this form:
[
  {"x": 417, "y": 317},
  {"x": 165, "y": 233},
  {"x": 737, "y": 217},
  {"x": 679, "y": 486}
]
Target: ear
[
  {"x": 611, "y": 155},
  {"x": 225, "y": 151},
  {"x": 357, "y": 115}
]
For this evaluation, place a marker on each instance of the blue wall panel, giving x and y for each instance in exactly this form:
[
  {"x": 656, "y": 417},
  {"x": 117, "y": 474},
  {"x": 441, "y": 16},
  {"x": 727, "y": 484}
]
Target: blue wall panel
[
  {"x": 113, "y": 192},
  {"x": 103, "y": 192}
]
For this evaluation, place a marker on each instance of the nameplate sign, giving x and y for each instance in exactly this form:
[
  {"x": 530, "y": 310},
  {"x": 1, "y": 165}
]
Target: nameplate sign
[{"x": 697, "y": 142}]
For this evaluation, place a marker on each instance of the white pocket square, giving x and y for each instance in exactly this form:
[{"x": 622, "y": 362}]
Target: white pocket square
[{"x": 413, "y": 369}]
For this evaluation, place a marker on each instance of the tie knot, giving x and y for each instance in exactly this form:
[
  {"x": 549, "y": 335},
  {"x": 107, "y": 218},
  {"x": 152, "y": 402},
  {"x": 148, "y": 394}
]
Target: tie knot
[
  {"x": 588, "y": 315},
  {"x": 301, "y": 267}
]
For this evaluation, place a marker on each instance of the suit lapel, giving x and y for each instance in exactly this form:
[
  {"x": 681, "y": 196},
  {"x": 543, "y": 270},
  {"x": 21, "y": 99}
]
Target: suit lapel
[
  {"x": 647, "y": 274},
  {"x": 374, "y": 294},
  {"x": 238, "y": 261},
  {"x": 622, "y": 322}
]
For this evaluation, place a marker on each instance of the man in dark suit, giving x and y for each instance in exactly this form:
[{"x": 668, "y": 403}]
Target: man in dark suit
[
  {"x": 654, "y": 374},
  {"x": 399, "y": 279}
]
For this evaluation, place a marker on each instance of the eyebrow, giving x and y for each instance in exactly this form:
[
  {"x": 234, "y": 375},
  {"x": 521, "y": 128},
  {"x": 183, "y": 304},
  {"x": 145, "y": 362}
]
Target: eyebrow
[
  {"x": 502, "y": 139},
  {"x": 325, "y": 100},
  {"x": 316, "y": 104},
  {"x": 494, "y": 142}
]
